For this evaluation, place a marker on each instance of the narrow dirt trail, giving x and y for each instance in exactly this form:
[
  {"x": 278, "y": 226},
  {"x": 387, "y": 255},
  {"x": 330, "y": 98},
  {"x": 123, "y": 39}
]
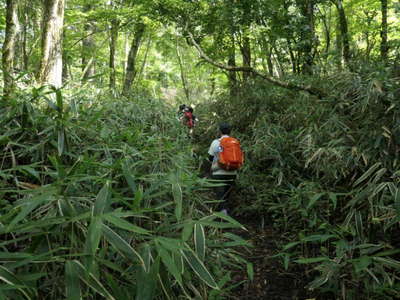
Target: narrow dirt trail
[{"x": 271, "y": 280}]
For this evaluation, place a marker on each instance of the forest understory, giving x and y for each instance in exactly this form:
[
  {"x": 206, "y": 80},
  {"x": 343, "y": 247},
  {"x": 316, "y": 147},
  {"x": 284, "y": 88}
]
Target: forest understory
[{"x": 103, "y": 188}]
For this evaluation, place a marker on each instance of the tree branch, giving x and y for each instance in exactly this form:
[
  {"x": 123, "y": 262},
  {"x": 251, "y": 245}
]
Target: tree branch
[{"x": 284, "y": 84}]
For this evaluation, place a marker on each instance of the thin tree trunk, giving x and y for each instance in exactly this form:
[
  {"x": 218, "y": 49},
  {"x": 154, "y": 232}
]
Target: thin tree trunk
[
  {"x": 292, "y": 56},
  {"x": 9, "y": 45},
  {"x": 246, "y": 55},
  {"x": 88, "y": 47},
  {"x": 131, "y": 64},
  {"x": 146, "y": 54},
  {"x": 65, "y": 62},
  {"x": 126, "y": 54},
  {"x": 113, "y": 46},
  {"x": 24, "y": 45},
  {"x": 231, "y": 74},
  {"x": 269, "y": 62},
  {"x": 384, "y": 31},
  {"x": 183, "y": 77},
  {"x": 278, "y": 59},
  {"x": 50, "y": 70},
  {"x": 327, "y": 31},
  {"x": 344, "y": 34}
]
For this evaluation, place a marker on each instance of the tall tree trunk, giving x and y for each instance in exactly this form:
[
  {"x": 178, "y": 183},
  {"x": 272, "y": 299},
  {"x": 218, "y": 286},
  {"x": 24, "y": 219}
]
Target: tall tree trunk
[
  {"x": 278, "y": 59},
  {"x": 231, "y": 74},
  {"x": 183, "y": 77},
  {"x": 327, "y": 30},
  {"x": 9, "y": 45},
  {"x": 24, "y": 45},
  {"x": 246, "y": 54},
  {"x": 344, "y": 33},
  {"x": 384, "y": 31},
  {"x": 144, "y": 61},
  {"x": 113, "y": 46},
  {"x": 307, "y": 35},
  {"x": 131, "y": 64},
  {"x": 292, "y": 56},
  {"x": 88, "y": 47},
  {"x": 266, "y": 50},
  {"x": 50, "y": 70},
  {"x": 126, "y": 53}
]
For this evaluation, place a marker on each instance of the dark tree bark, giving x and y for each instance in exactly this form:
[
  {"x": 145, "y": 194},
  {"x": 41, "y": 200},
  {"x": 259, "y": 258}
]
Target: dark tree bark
[
  {"x": 267, "y": 49},
  {"x": 131, "y": 64},
  {"x": 245, "y": 49},
  {"x": 9, "y": 45},
  {"x": 344, "y": 33},
  {"x": 113, "y": 46},
  {"x": 50, "y": 70},
  {"x": 327, "y": 30},
  {"x": 307, "y": 35},
  {"x": 384, "y": 31},
  {"x": 293, "y": 59},
  {"x": 65, "y": 62}
]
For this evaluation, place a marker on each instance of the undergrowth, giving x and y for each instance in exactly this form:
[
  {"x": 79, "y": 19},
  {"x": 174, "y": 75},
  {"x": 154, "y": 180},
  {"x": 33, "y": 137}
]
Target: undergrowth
[
  {"x": 101, "y": 196},
  {"x": 324, "y": 173}
]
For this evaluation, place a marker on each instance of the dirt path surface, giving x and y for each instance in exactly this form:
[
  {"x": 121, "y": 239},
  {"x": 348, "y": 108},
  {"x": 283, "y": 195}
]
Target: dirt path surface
[{"x": 271, "y": 280}]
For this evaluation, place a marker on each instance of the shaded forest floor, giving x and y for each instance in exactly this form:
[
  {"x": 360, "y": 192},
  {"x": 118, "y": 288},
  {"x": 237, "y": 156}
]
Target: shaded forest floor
[{"x": 271, "y": 280}]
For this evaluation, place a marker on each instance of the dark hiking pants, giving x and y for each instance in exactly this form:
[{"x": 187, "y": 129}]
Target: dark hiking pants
[{"x": 222, "y": 192}]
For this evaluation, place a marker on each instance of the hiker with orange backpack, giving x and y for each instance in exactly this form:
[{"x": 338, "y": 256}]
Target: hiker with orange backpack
[{"x": 226, "y": 158}]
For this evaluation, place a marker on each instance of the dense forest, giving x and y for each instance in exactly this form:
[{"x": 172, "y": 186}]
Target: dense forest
[{"x": 105, "y": 194}]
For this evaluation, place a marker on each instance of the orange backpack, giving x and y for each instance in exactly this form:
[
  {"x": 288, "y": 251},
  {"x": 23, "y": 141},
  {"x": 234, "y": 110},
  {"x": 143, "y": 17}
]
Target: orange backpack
[{"x": 231, "y": 156}]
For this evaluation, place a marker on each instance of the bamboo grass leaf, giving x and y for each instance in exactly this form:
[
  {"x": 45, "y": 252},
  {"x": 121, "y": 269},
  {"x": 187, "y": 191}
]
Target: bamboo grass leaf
[
  {"x": 15, "y": 283},
  {"x": 138, "y": 198},
  {"x": 178, "y": 261},
  {"x": 72, "y": 284},
  {"x": 123, "y": 224},
  {"x": 388, "y": 262},
  {"x": 169, "y": 263},
  {"x": 128, "y": 177},
  {"x": 31, "y": 204},
  {"x": 367, "y": 174},
  {"x": 187, "y": 230},
  {"x": 250, "y": 270},
  {"x": 146, "y": 286},
  {"x": 170, "y": 243},
  {"x": 177, "y": 193},
  {"x": 61, "y": 141},
  {"x": 122, "y": 246},
  {"x": 314, "y": 199},
  {"x": 94, "y": 235},
  {"x": 102, "y": 200},
  {"x": 200, "y": 241},
  {"x": 90, "y": 280},
  {"x": 230, "y": 220},
  {"x": 198, "y": 267}
]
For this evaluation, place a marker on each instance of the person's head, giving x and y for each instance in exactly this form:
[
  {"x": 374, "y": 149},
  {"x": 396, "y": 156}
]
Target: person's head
[
  {"x": 225, "y": 128},
  {"x": 182, "y": 107},
  {"x": 190, "y": 109}
]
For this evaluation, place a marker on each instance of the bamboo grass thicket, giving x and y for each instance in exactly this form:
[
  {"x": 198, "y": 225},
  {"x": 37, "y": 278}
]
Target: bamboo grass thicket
[{"x": 97, "y": 199}]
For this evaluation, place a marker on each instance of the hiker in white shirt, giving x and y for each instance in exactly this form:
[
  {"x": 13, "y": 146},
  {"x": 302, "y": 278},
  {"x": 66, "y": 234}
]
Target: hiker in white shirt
[{"x": 227, "y": 177}]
